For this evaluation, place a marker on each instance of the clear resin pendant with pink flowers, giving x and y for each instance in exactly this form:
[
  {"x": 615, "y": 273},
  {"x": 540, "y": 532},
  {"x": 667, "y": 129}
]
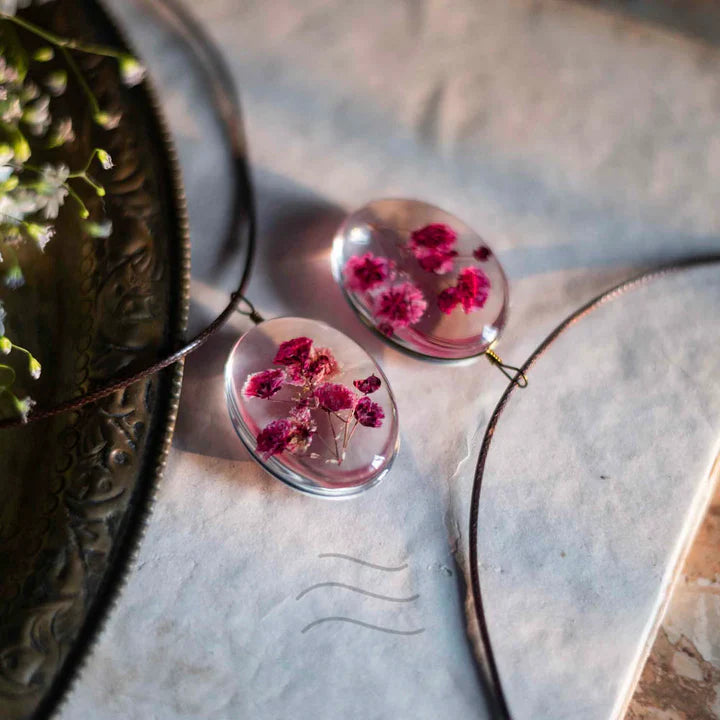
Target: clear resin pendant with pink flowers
[
  {"x": 312, "y": 406},
  {"x": 422, "y": 278}
]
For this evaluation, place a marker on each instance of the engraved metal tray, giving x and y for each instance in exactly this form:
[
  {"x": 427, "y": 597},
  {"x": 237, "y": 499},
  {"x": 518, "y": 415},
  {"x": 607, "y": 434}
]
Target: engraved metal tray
[{"x": 75, "y": 490}]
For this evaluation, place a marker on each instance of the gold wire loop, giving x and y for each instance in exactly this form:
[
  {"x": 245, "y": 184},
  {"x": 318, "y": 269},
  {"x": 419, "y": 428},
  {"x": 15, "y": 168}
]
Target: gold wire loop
[{"x": 519, "y": 377}]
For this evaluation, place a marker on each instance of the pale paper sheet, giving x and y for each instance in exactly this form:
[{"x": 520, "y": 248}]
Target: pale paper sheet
[{"x": 582, "y": 146}]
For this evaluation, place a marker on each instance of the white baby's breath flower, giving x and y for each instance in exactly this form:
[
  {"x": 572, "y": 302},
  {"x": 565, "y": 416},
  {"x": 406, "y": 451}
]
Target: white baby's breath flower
[
  {"x": 41, "y": 234},
  {"x": 131, "y": 71},
  {"x": 61, "y": 132},
  {"x": 23, "y": 407},
  {"x": 5, "y": 345},
  {"x": 10, "y": 7},
  {"x": 107, "y": 120},
  {"x": 37, "y": 115},
  {"x": 56, "y": 82},
  {"x": 14, "y": 277},
  {"x": 6, "y": 153},
  {"x": 44, "y": 54},
  {"x": 34, "y": 368},
  {"x": 11, "y": 109},
  {"x": 99, "y": 229},
  {"x": 51, "y": 189},
  {"x": 8, "y": 73},
  {"x": 30, "y": 91},
  {"x": 105, "y": 160}
]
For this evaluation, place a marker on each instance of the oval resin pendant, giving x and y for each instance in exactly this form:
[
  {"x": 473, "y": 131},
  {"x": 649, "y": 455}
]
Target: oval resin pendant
[
  {"x": 422, "y": 278},
  {"x": 312, "y": 406}
]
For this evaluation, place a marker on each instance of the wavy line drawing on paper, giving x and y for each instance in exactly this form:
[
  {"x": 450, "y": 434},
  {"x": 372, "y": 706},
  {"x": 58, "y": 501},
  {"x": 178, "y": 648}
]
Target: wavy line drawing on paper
[
  {"x": 361, "y": 591},
  {"x": 363, "y": 562},
  {"x": 390, "y": 631},
  {"x": 357, "y": 590}
]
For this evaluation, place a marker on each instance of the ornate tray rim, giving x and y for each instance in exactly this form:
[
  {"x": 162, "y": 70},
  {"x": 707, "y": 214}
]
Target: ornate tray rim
[{"x": 125, "y": 553}]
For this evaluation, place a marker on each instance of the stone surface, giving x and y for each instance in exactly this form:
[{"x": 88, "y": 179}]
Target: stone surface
[
  {"x": 681, "y": 679},
  {"x": 582, "y": 146}
]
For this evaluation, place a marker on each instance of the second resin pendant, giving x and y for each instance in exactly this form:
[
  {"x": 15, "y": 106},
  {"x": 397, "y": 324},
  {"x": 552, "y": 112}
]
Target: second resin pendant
[{"x": 422, "y": 278}]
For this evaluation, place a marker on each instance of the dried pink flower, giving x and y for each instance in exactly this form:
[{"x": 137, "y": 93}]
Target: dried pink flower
[
  {"x": 303, "y": 428},
  {"x": 274, "y": 438},
  {"x": 436, "y": 236},
  {"x": 399, "y": 306},
  {"x": 264, "y": 384},
  {"x": 448, "y": 300},
  {"x": 482, "y": 253},
  {"x": 368, "y": 413},
  {"x": 321, "y": 365},
  {"x": 369, "y": 385},
  {"x": 438, "y": 261},
  {"x": 473, "y": 288},
  {"x": 301, "y": 413},
  {"x": 386, "y": 329},
  {"x": 335, "y": 397},
  {"x": 365, "y": 272},
  {"x": 293, "y": 352}
]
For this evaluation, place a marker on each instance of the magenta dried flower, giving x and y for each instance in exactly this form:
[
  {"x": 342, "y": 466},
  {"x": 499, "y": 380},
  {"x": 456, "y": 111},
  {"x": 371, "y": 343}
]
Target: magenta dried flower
[
  {"x": 307, "y": 369},
  {"x": 432, "y": 246},
  {"x": 437, "y": 261},
  {"x": 301, "y": 413},
  {"x": 365, "y": 272},
  {"x": 368, "y": 413},
  {"x": 321, "y": 365},
  {"x": 369, "y": 385},
  {"x": 436, "y": 236},
  {"x": 473, "y": 288},
  {"x": 295, "y": 352},
  {"x": 335, "y": 397},
  {"x": 301, "y": 434},
  {"x": 448, "y": 300},
  {"x": 399, "y": 306},
  {"x": 482, "y": 253},
  {"x": 264, "y": 384},
  {"x": 273, "y": 438}
]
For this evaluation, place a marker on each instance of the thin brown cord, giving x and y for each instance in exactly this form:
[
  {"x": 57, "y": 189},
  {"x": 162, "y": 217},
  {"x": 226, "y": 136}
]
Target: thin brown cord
[
  {"x": 228, "y": 113},
  {"x": 498, "y": 705}
]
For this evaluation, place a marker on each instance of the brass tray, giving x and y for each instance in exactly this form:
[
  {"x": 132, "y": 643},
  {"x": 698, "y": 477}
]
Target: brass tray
[{"x": 75, "y": 490}]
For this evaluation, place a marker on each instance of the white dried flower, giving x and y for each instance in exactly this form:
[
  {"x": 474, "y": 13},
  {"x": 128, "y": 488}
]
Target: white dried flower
[
  {"x": 41, "y": 234},
  {"x": 107, "y": 120},
  {"x": 37, "y": 115},
  {"x": 23, "y": 406},
  {"x": 34, "y": 368},
  {"x": 105, "y": 159},
  {"x": 56, "y": 82},
  {"x": 51, "y": 189},
  {"x": 99, "y": 229},
  {"x": 131, "y": 71},
  {"x": 62, "y": 132}
]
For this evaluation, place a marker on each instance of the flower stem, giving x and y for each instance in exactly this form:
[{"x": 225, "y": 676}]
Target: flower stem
[
  {"x": 332, "y": 430},
  {"x": 84, "y": 212},
  {"x": 81, "y": 80},
  {"x": 352, "y": 432},
  {"x": 62, "y": 42}
]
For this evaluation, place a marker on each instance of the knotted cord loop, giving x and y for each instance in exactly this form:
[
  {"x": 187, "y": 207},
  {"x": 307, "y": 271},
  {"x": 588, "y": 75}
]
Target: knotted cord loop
[{"x": 519, "y": 378}]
